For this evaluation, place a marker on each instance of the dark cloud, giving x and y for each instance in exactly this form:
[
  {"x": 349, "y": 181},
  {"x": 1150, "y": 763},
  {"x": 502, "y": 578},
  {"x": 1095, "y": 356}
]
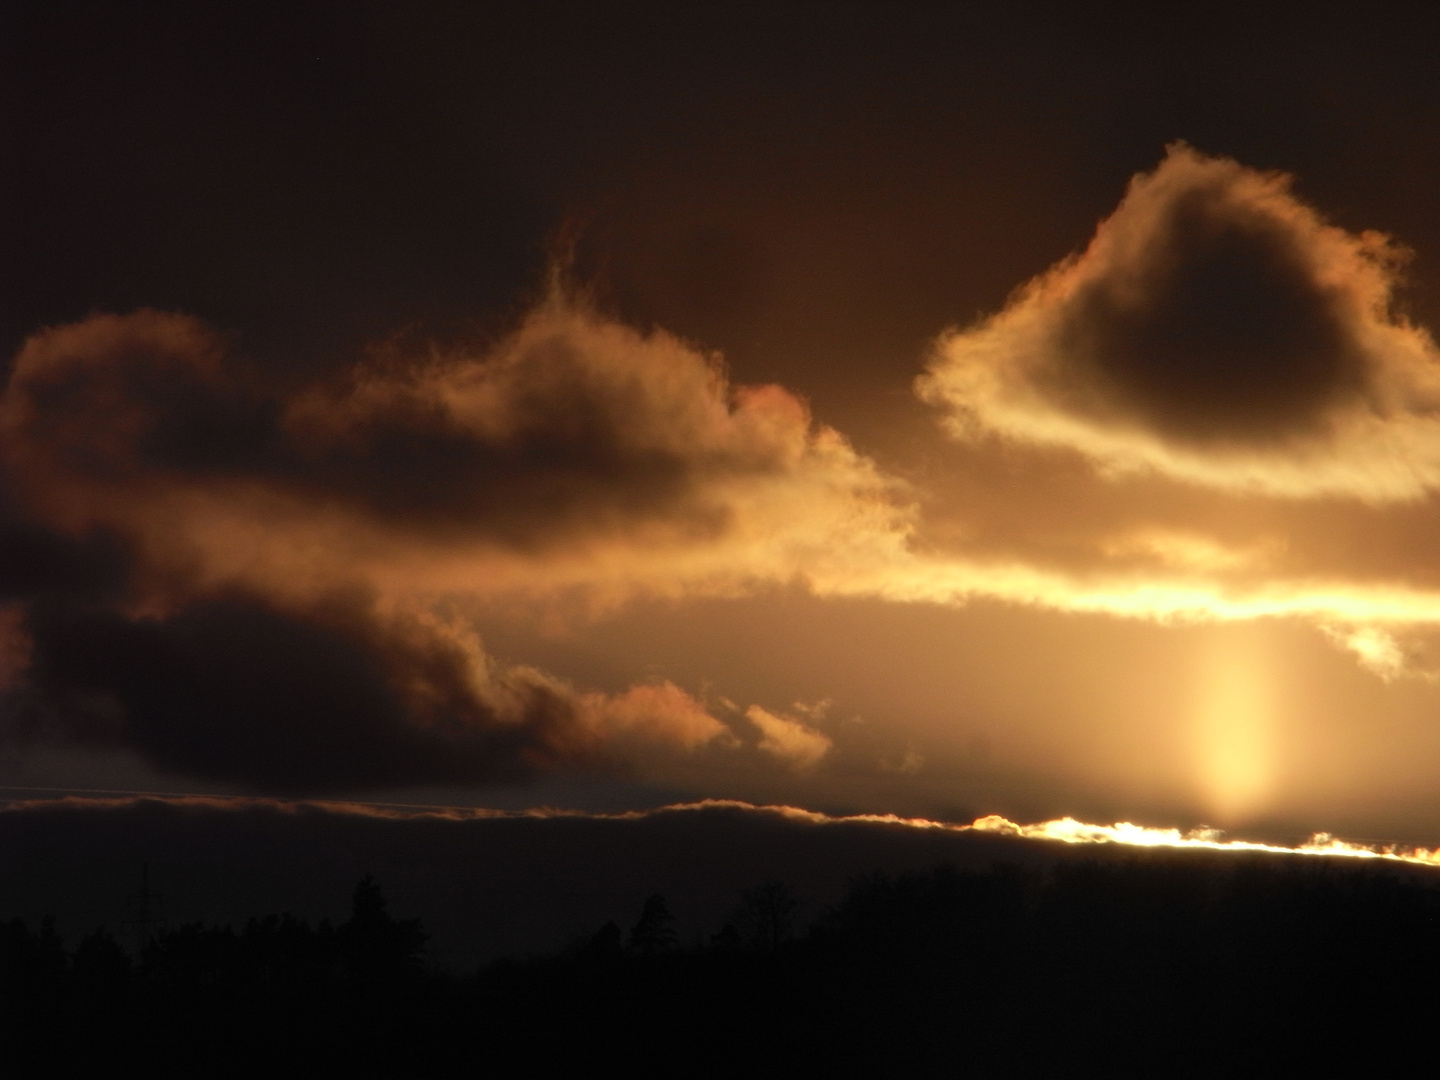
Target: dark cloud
[
  {"x": 337, "y": 696},
  {"x": 256, "y": 583},
  {"x": 334, "y": 699},
  {"x": 565, "y": 430},
  {"x": 1218, "y": 326},
  {"x": 114, "y": 399},
  {"x": 1218, "y": 330},
  {"x": 36, "y": 562}
]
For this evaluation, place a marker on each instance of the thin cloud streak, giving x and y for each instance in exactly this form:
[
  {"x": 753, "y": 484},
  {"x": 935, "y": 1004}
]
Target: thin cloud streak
[{"x": 1065, "y": 830}]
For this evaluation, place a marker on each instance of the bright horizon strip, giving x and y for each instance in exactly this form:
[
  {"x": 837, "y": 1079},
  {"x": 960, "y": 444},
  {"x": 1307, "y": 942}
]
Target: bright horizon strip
[
  {"x": 1066, "y": 830},
  {"x": 1069, "y": 831}
]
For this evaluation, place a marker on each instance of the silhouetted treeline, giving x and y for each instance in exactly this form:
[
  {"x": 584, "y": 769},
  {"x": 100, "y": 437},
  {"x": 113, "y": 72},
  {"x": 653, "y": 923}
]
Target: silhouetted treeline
[{"x": 1157, "y": 966}]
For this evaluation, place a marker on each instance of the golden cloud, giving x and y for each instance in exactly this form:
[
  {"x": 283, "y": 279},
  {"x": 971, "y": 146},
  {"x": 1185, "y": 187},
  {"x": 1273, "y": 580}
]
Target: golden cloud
[{"x": 787, "y": 739}]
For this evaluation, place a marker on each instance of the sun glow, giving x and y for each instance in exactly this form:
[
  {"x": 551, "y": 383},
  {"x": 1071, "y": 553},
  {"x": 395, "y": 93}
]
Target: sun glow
[
  {"x": 1233, "y": 729},
  {"x": 1069, "y": 831}
]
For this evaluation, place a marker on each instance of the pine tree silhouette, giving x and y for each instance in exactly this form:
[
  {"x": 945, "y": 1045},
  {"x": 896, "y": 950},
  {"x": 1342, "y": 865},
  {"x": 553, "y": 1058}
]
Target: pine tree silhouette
[
  {"x": 376, "y": 946},
  {"x": 653, "y": 933}
]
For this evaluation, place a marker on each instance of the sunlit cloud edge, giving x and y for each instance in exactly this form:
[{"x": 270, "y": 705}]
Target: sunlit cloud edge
[{"x": 1066, "y": 830}]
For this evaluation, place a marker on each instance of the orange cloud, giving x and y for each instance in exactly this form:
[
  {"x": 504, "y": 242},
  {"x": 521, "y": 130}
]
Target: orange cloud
[
  {"x": 787, "y": 739},
  {"x": 658, "y": 713}
]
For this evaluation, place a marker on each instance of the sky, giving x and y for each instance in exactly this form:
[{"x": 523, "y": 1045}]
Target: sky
[{"x": 940, "y": 410}]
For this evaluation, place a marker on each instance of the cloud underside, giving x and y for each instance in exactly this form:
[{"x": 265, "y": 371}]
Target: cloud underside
[{"x": 275, "y": 585}]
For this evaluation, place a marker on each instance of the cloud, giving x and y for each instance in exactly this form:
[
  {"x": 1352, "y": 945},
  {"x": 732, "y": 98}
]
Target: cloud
[
  {"x": 656, "y": 712},
  {"x": 333, "y": 698},
  {"x": 1388, "y": 652},
  {"x": 271, "y": 584},
  {"x": 1216, "y": 330},
  {"x": 573, "y": 452},
  {"x": 14, "y": 646},
  {"x": 250, "y": 582},
  {"x": 795, "y": 743}
]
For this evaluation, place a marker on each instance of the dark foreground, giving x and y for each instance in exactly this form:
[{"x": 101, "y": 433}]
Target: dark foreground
[{"x": 1157, "y": 966}]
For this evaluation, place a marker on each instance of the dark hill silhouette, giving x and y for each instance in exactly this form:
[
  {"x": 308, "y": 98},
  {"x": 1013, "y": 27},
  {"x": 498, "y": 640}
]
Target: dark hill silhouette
[{"x": 1160, "y": 964}]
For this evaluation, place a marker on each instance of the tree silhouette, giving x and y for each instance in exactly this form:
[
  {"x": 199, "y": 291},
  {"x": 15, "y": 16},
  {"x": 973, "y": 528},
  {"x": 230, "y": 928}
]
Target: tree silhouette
[
  {"x": 100, "y": 964},
  {"x": 608, "y": 943},
  {"x": 374, "y": 945},
  {"x": 767, "y": 916},
  {"x": 653, "y": 933},
  {"x": 726, "y": 939}
]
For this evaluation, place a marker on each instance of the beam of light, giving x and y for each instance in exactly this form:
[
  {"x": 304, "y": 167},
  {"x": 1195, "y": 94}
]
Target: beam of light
[
  {"x": 1064, "y": 830},
  {"x": 1233, "y": 730}
]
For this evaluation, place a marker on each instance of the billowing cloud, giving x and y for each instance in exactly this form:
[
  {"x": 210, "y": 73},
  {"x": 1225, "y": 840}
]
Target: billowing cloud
[
  {"x": 575, "y": 451},
  {"x": 1218, "y": 331},
  {"x": 244, "y": 581},
  {"x": 250, "y": 580}
]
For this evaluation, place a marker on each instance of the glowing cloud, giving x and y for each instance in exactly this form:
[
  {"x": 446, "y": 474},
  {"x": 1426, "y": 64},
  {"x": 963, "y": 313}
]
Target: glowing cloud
[
  {"x": 1217, "y": 331},
  {"x": 1375, "y": 648},
  {"x": 796, "y": 743},
  {"x": 575, "y": 452}
]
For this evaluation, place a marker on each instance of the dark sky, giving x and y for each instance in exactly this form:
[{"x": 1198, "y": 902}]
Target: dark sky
[
  {"x": 815, "y": 190},
  {"x": 352, "y": 510}
]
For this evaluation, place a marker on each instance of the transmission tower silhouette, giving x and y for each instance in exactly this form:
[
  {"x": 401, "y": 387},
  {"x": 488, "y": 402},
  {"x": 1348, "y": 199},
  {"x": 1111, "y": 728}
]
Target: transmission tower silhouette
[{"x": 144, "y": 908}]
